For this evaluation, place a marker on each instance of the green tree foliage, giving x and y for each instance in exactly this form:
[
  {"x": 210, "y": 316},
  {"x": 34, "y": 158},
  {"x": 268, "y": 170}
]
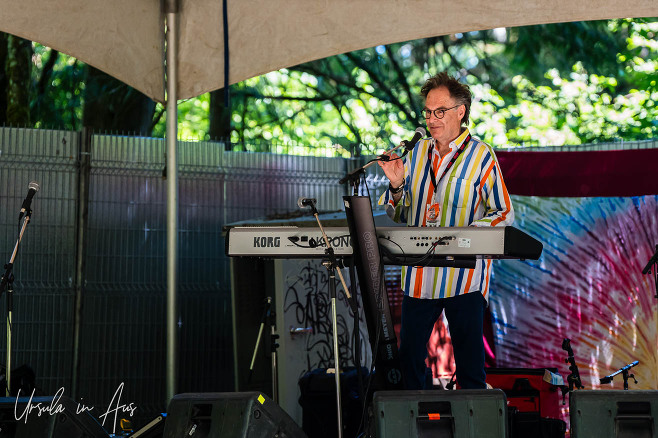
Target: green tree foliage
[
  {"x": 112, "y": 106},
  {"x": 58, "y": 83},
  {"x": 40, "y": 87},
  {"x": 567, "y": 83}
]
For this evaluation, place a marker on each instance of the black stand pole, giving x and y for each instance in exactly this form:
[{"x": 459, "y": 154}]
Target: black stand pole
[
  {"x": 573, "y": 379},
  {"x": 273, "y": 347},
  {"x": 624, "y": 373},
  {"x": 331, "y": 268},
  {"x": 7, "y": 283},
  {"x": 653, "y": 263}
]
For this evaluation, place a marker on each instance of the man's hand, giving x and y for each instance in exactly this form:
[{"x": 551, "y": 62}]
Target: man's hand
[{"x": 394, "y": 169}]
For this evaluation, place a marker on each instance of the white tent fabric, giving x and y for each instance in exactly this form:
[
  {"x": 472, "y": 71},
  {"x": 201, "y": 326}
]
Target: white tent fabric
[{"x": 124, "y": 38}]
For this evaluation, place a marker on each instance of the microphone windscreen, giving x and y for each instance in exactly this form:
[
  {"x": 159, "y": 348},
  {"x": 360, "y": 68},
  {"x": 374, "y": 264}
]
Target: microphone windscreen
[{"x": 420, "y": 133}]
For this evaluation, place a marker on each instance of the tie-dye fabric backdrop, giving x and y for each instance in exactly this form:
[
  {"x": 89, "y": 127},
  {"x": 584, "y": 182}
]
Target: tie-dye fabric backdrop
[{"x": 587, "y": 286}]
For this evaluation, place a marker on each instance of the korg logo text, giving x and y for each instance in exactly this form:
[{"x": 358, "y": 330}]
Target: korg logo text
[{"x": 267, "y": 242}]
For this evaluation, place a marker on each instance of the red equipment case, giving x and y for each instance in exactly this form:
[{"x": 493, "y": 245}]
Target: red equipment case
[{"x": 527, "y": 390}]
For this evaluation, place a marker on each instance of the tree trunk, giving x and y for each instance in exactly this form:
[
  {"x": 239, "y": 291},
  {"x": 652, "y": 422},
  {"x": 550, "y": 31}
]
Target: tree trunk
[
  {"x": 112, "y": 106},
  {"x": 3, "y": 78},
  {"x": 219, "y": 119},
  {"x": 18, "y": 67}
]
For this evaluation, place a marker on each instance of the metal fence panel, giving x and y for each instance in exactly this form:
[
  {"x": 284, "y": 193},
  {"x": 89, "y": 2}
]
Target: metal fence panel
[
  {"x": 45, "y": 265},
  {"x": 123, "y": 334},
  {"x": 125, "y": 254}
]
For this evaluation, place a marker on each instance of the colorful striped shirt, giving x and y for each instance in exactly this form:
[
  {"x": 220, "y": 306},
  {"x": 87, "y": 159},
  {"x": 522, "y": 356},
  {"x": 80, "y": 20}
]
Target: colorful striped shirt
[{"x": 471, "y": 193}]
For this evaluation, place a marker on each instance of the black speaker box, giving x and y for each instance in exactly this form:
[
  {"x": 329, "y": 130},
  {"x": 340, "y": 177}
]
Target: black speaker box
[
  {"x": 531, "y": 424},
  {"x": 613, "y": 414},
  {"x": 466, "y": 413},
  {"x": 46, "y": 417},
  {"x": 228, "y": 415},
  {"x": 318, "y": 401}
]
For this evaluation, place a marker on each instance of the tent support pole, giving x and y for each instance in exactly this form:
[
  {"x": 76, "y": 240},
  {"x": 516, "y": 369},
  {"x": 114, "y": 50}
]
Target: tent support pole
[{"x": 172, "y": 199}]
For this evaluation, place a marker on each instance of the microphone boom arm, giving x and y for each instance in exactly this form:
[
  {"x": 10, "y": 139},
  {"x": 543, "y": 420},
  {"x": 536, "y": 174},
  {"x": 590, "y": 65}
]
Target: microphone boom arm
[
  {"x": 624, "y": 371},
  {"x": 355, "y": 175}
]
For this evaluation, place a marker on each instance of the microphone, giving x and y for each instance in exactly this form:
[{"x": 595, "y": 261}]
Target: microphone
[
  {"x": 303, "y": 202},
  {"x": 409, "y": 145},
  {"x": 33, "y": 188}
]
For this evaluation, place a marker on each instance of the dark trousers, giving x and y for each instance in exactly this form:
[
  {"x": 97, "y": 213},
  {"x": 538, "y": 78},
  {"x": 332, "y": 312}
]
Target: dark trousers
[{"x": 465, "y": 314}]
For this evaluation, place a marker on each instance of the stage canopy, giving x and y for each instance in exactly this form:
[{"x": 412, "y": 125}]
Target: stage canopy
[{"x": 124, "y": 38}]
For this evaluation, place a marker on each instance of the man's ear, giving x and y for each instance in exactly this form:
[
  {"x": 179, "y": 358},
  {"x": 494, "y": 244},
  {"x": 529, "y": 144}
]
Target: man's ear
[{"x": 461, "y": 112}]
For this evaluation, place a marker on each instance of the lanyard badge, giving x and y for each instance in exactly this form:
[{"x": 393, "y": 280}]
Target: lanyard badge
[{"x": 432, "y": 213}]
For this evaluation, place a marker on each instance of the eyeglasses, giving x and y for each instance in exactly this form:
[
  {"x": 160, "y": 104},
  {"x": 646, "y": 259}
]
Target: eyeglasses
[{"x": 438, "y": 113}]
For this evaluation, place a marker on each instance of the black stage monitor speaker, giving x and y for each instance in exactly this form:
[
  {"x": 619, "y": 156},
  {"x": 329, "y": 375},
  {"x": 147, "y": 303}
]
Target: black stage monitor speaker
[
  {"x": 613, "y": 414},
  {"x": 46, "y": 417},
  {"x": 228, "y": 415},
  {"x": 466, "y": 413}
]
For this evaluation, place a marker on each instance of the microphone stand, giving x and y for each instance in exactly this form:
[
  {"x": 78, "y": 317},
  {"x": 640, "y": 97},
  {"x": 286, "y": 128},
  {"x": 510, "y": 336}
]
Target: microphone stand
[
  {"x": 624, "y": 373},
  {"x": 273, "y": 346},
  {"x": 354, "y": 176},
  {"x": 267, "y": 320},
  {"x": 7, "y": 283},
  {"x": 653, "y": 262},
  {"x": 333, "y": 267},
  {"x": 574, "y": 377}
]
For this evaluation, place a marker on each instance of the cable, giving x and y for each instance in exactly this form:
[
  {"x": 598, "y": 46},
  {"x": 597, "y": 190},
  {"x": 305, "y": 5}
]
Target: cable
[{"x": 407, "y": 260}]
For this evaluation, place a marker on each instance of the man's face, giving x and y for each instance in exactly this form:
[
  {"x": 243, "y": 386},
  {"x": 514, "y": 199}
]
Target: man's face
[{"x": 449, "y": 127}]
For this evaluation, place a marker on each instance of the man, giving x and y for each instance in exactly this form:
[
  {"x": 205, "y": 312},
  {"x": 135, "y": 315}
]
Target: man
[{"x": 448, "y": 180}]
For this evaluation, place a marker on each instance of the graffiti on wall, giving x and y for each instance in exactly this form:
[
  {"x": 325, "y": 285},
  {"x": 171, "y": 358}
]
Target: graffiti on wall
[{"x": 307, "y": 304}]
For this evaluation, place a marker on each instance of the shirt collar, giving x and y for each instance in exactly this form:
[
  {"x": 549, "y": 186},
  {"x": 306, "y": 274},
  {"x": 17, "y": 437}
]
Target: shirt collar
[
  {"x": 456, "y": 143},
  {"x": 459, "y": 140}
]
